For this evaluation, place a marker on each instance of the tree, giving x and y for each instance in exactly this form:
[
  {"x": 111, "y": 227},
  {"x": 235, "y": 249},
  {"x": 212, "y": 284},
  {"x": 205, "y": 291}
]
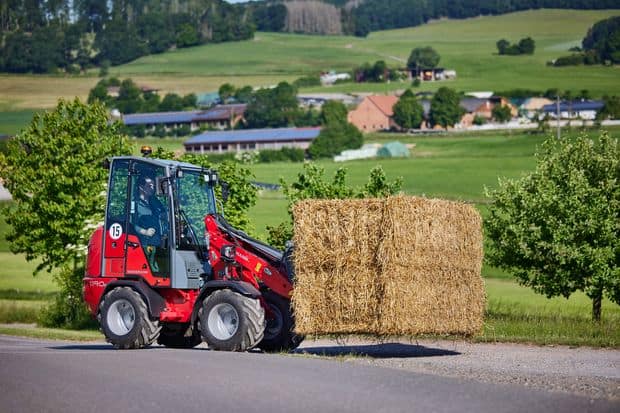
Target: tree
[
  {"x": 187, "y": 36},
  {"x": 335, "y": 138},
  {"x": 604, "y": 39},
  {"x": 226, "y": 92},
  {"x": 502, "y": 45},
  {"x": 501, "y": 113},
  {"x": 333, "y": 111},
  {"x": 273, "y": 108},
  {"x": 556, "y": 229},
  {"x": 129, "y": 97},
  {"x": 244, "y": 94},
  {"x": 53, "y": 171},
  {"x": 445, "y": 107},
  {"x": 527, "y": 45},
  {"x": 611, "y": 108},
  {"x": 422, "y": 58},
  {"x": 408, "y": 113},
  {"x": 171, "y": 102}
]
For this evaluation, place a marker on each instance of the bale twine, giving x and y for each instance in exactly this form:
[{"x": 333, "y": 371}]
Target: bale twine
[{"x": 400, "y": 265}]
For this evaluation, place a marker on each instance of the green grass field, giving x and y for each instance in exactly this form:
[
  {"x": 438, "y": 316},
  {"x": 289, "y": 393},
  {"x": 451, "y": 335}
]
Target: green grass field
[
  {"x": 468, "y": 46},
  {"x": 516, "y": 313}
]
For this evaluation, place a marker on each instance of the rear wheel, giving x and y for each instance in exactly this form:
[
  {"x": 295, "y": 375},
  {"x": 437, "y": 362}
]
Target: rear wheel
[
  {"x": 279, "y": 334},
  {"x": 231, "y": 322},
  {"x": 178, "y": 335},
  {"x": 125, "y": 321}
]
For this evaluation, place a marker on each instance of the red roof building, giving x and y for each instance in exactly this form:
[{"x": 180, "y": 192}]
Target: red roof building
[{"x": 374, "y": 113}]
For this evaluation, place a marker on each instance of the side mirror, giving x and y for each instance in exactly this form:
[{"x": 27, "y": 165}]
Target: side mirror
[
  {"x": 225, "y": 191},
  {"x": 161, "y": 185}
]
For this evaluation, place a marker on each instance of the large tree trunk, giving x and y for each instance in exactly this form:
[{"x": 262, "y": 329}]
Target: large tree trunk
[{"x": 596, "y": 307}]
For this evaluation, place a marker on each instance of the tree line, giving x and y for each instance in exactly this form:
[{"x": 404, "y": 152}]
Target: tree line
[
  {"x": 46, "y": 36},
  {"x": 38, "y": 36},
  {"x": 372, "y": 15},
  {"x": 361, "y": 17},
  {"x": 601, "y": 45}
]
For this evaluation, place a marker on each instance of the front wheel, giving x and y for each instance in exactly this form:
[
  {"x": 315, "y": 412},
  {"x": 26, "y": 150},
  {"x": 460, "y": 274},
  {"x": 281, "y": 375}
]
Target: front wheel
[
  {"x": 279, "y": 334},
  {"x": 125, "y": 321},
  {"x": 231, "y": 322}
]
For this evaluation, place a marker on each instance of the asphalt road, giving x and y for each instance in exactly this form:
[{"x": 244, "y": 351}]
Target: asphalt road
[{"x": 43, "y": 376}]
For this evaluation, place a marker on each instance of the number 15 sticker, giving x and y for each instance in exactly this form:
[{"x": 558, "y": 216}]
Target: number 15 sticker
[{"x": 115, "y": 231}]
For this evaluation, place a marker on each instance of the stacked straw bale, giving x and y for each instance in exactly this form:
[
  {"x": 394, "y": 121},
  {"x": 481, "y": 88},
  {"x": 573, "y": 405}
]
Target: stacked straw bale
[{"x": 393, "y": 266}]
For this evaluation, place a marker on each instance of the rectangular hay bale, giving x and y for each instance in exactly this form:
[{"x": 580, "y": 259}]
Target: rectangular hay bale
[{"x": 398, "y": 266}]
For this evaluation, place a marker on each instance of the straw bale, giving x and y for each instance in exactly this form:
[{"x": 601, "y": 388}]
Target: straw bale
[
  {"x": 335, "y": 246},
  {"x": 400, "y": 265}
]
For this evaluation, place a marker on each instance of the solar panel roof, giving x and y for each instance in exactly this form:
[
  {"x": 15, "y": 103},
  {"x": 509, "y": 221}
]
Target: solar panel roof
[{"x": 255, "y": 135}]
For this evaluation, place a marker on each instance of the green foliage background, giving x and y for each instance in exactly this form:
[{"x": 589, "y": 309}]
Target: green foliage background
[{"x": 54, "y": 172}]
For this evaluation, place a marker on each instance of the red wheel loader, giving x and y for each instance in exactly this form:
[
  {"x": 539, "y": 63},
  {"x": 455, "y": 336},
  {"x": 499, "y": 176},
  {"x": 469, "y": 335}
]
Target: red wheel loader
[{"x": 167, "y": 267}]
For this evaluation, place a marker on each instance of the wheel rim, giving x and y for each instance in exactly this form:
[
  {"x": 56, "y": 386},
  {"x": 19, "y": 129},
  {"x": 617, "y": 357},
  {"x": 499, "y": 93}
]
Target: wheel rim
[
  {"x": 274, "y": 325},
  {"x": 223, "y": 321},
  {"x": 121, "y": 317}
]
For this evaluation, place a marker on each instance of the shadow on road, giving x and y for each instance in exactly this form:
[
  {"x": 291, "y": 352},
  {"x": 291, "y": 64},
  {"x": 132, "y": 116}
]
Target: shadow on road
[
  {"x": 383, "y": 350},
  {"x": 97, "y": 347}
]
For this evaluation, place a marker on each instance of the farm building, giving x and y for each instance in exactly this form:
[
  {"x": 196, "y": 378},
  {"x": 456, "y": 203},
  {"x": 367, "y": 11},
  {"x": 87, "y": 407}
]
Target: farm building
[
  {"x": 251, "y": 139},
  {"x": 218, "y": 117},
  {"x": 374, "y": 113},
  {"x": 531, "y": 107},
  {"x": 576, "y": 109},
  {"x": 483, "y": 108},
  {"x": 438, "y": 73}
]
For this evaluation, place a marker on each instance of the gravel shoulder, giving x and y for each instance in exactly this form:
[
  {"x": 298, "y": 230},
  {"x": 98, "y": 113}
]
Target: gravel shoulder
[{"x": 589, "y": 372}]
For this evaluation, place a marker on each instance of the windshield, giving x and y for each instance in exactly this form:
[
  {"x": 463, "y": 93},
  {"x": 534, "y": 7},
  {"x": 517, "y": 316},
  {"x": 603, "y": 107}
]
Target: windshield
[{"x": 196, "y": 200}]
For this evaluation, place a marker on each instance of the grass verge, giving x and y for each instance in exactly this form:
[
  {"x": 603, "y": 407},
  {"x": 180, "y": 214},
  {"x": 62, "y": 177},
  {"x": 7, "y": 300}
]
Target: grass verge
[
  {"x": 50, "y": 333},
  {"x": 517, "y": 314}
]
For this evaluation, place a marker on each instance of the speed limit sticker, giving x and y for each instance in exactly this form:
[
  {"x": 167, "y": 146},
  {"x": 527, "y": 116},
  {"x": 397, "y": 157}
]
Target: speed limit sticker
[{"x": 115, "y": 231}]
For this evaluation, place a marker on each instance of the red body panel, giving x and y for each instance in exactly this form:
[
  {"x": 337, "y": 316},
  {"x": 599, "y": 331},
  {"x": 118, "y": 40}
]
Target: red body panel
[
  {"x": 93, "y": 259},
  {"x": 253, "y": 269}
]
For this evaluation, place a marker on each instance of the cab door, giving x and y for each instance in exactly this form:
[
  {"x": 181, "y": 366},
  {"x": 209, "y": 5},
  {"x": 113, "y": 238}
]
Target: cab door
[{"x": 116, "y": 230}]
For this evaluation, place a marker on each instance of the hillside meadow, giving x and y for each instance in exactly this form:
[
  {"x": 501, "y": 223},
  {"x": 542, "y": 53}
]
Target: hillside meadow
[{"x": 468, "y": 46}]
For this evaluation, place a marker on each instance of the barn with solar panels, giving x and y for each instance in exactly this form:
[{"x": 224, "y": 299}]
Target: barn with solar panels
[{"x": 251, "y": 139}]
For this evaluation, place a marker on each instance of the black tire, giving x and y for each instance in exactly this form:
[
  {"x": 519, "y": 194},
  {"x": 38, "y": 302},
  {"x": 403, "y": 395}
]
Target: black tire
[
  {"x": 231, "y": 322},
  {"x": 175, "y": 335},
  {"x": 125, "y": 320},
  {"x": 279, "y": 331}
]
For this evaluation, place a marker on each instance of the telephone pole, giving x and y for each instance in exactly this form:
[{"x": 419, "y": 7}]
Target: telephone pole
[{"x": 557, "y": 105}]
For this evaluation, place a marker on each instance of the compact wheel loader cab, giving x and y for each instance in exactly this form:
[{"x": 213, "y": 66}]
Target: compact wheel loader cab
[{"x": 166, "y": 267}]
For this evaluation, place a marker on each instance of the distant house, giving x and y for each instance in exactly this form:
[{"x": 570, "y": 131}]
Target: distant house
[
  {"x": 483, "y": 108},
  {"x": 532, "y": 107},
  {"x": 251, "y": 139},
  {"x": 218, "y": 117},
  {"x": 575, "y": 109},
  {"x": 331, "y": 77},
  {"x": 374, "y": 113},
  {"x": 438, "y": 73}
]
